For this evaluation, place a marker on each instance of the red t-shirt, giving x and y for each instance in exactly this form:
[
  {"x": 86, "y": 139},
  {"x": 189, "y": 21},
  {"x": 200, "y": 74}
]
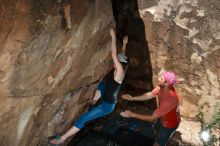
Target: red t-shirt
[{"x": 168, "y": 109}]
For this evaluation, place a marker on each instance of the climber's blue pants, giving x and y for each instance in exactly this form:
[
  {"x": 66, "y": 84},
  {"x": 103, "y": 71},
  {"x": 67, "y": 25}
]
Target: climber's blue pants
[{"x": 101, "y": 110}]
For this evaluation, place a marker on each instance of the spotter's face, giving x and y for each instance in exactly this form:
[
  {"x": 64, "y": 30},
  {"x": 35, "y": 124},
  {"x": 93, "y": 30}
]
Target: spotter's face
[{"x": 161, "y": 81}]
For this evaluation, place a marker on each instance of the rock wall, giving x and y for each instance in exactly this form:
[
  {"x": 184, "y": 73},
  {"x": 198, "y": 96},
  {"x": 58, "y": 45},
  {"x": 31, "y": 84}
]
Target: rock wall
[
  {"x": 50, "y": 60},
  {"x": 139, "y": 75},
  {"x": 184, "y": 36}
]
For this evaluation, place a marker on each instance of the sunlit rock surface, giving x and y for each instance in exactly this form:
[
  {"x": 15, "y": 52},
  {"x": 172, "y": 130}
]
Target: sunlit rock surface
[{"x": 183, "y": 36}]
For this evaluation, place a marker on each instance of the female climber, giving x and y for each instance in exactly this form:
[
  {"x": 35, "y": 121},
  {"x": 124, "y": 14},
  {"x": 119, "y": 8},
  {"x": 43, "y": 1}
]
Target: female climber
[{"x": 108, "y": 89}]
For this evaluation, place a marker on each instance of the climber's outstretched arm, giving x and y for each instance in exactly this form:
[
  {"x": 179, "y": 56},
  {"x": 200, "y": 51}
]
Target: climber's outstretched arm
[{"x": 119, "y": 74}]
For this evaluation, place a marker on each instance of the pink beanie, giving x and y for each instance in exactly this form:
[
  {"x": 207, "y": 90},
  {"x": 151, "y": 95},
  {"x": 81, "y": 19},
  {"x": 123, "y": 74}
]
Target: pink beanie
[{"x": 170, "y": 78}]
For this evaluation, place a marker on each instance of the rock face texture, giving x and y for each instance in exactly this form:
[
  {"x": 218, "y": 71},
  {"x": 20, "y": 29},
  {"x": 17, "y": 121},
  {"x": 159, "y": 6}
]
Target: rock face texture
[
  {"x": 41, "y": 61},
  {"x": 139, "y": 75},
  {"x": 183, "y": 36},
  {"x": 53, "y": 53}
]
